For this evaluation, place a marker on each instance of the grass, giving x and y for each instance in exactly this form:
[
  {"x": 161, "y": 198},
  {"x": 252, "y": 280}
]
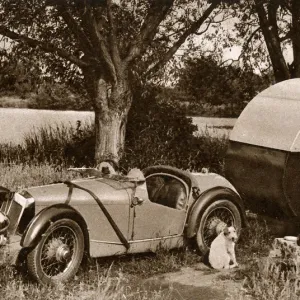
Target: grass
[
  {"x": 112, "y": 278},
  {"x": 50, "y": 145},
  {"x": 65, "y": 146},
  {"x": 94, "y": 286},
  {"x": 124, "y": 277},
  {"x": 19, "y": 176}
]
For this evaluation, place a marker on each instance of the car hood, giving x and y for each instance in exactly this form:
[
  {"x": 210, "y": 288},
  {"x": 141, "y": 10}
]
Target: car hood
[{"x": 107, "y": 190}]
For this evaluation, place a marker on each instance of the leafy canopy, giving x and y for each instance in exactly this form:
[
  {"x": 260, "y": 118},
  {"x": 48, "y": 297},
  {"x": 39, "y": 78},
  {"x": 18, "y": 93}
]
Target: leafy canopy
[{"x": 68, "y": 36}]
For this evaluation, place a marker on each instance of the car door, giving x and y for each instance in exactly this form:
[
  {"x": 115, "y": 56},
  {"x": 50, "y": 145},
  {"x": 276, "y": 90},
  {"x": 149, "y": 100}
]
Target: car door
[{"x": 163, "y": 213}]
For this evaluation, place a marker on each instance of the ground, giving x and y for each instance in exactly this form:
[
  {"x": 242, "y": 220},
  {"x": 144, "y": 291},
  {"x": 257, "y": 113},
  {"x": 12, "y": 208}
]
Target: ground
[{"x": 198, "y": 282}]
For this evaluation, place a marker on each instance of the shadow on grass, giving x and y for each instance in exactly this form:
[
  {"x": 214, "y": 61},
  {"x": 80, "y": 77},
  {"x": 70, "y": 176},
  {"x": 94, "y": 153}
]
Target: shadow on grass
[{"x": 142, "y": 265}]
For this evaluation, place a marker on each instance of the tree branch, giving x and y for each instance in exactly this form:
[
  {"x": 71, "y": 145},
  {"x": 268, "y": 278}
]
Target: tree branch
[
  {"x": 272, "y": 16},
  {"x": 204, "y": 30},
  {"x": 113, "y": 39},
  {"x": 47, "y": 47},
  {"x": 156, "y": 14},
  {"x": 192, "y": 29},
  {"x": 245, "y": 46},
  {"x": 295, "y": 36},
  {"x": 83, "y": 41},
  {"x": 281, "y": 71},
  {"x": 98, "y": 41}
]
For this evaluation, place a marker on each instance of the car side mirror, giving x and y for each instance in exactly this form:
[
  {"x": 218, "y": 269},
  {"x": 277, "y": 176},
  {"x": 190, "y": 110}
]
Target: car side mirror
[{"x": 137, "y": 201}]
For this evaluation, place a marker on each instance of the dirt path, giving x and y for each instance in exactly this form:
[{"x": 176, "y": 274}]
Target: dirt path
[{"x": 193, "y": 283}]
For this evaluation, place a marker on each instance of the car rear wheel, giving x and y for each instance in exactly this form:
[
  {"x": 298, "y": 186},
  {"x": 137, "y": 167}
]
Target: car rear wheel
[
  {"x": 58, "y": 255},
  {"x": 215, "y": 217}
]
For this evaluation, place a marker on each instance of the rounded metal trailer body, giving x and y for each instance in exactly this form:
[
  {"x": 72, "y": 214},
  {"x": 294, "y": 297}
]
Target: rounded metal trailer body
[{"x": 263, "y": 157}]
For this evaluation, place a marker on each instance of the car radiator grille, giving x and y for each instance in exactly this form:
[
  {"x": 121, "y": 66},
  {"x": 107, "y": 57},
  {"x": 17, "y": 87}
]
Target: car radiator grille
[{"x": 13, "y": 211}]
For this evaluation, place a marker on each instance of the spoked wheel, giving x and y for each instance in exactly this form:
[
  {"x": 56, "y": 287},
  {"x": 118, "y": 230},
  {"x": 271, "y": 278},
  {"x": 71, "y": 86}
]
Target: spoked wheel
[
  {"x": 58, "y": 255},
  {"x": 215, "y": 218}
]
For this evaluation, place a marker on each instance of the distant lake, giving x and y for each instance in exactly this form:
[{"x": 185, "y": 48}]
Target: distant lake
[
  {"x": 217, "y": 127},
  {"x": 17, "y": 122}
]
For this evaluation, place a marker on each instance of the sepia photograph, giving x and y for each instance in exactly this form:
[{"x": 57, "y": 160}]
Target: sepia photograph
[{"x": 149, "y": 149}]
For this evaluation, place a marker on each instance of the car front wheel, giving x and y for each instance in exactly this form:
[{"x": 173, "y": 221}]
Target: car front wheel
[
  {"x": 58, "y": 255},
  {"x": 215, "y": 217}
]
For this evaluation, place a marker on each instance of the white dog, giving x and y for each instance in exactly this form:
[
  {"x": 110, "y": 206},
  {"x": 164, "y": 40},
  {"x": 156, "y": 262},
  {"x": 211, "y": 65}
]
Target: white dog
[{"x": 222, "y": 249}]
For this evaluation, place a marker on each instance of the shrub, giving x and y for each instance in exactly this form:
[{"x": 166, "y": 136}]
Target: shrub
[{"x": 158, "y": 132}]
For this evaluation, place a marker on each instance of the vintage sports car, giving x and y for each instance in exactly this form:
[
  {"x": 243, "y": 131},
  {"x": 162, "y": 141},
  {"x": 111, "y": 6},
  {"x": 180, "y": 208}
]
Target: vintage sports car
[{"x": 53, "y": 226}]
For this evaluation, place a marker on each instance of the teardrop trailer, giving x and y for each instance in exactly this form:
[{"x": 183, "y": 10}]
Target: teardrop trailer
[
  {"x": 263, "y": 163},
  {"x": 263, "y": 156}
]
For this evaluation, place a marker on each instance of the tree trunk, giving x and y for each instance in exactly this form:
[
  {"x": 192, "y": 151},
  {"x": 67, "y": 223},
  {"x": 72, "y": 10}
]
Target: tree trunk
[
  {"x": 111, "y": 102},
  {"x": 269, "y": 30},
  {"x": 296, "y": 38},
  {"x": 110, "y": 135}
]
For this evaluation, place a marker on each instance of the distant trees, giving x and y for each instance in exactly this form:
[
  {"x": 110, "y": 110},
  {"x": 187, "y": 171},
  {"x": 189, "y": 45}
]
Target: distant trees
[
  {"x": 203, "y": 80},
  {"x": 18, "y": 76}
]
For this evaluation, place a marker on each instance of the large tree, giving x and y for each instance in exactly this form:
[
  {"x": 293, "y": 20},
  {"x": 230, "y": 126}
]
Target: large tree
[
  {"x": 272, "y": 27},
  {"x": 107, "y": 43}
]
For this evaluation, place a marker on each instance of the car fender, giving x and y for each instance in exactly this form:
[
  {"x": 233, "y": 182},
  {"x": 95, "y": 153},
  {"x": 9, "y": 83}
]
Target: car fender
[
  {"x": 207, "y": 198},
  {"x": 41, "y": 222}
]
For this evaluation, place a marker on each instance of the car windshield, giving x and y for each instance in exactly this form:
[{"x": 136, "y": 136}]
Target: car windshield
[{"x": 92, "y": 172}]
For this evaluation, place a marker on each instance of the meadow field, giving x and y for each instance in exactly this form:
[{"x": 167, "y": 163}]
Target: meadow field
[{"x": 15, "y": 123}]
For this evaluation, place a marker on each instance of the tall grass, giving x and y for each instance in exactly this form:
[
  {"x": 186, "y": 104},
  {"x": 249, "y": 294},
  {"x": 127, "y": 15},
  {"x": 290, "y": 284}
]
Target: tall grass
[
  {"x": 103, "y": 288},
  {"x": 51, "y": 145},
  {"x": 64, "y": 146},
  {"x": 20, "y": 176},
  {"x": 263, "y": 278},
  {"x": 269, "y": 281},
  {"x": 112, "y": 278}
]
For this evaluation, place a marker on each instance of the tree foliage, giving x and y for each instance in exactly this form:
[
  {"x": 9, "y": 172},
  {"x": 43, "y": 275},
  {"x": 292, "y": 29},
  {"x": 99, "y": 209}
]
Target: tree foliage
[
  {"x": 67, "y": 33},
  {"x": 58, "y": 96},
  {"x": 204, "y": 80},
  {"x": 18, "y": 75}
]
